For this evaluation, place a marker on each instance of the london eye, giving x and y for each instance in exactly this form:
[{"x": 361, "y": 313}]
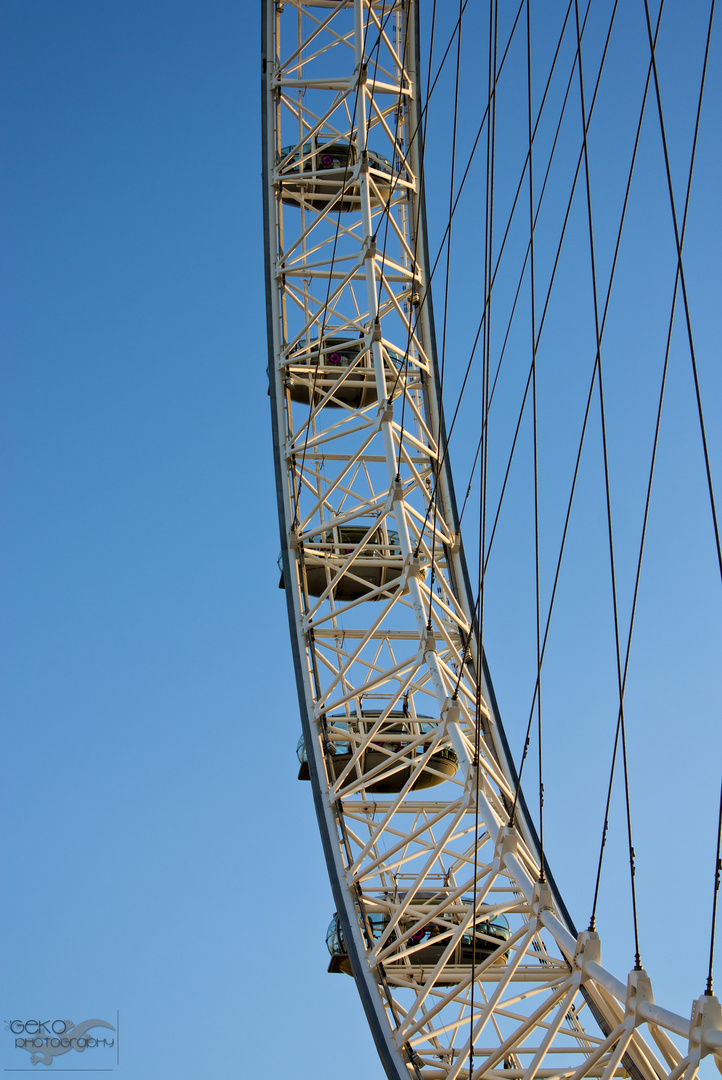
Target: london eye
[{"x": 446, "y": 912}]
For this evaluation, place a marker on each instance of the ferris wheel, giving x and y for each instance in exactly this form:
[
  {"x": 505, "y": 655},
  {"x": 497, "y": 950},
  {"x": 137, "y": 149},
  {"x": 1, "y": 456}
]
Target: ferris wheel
[{"x": 447, "y": 913}]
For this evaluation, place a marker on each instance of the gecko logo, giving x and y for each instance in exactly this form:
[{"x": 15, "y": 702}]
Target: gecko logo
[{"x": 45, "y": 1040}]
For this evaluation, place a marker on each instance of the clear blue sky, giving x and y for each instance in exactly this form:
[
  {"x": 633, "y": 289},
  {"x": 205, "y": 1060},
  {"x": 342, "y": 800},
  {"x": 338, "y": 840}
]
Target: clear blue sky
[{"x": 163, "y": 860}]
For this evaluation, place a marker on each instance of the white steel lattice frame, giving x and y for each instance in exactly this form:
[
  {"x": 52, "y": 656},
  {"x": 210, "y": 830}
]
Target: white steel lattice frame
[{"x": 359, "y": 454}]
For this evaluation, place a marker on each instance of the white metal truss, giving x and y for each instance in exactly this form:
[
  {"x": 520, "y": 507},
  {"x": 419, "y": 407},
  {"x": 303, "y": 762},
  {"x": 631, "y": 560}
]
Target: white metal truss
[{"x": 467, "y": 963}]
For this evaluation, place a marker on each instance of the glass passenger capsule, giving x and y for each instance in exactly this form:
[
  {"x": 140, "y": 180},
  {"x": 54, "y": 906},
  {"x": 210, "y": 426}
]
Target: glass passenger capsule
[
  {"x": 316, "y": 173},
  {"x": 376, "y": 564},
  {"x": 394, "y": 735},
  {"x": 427, "y": 945},
  {"x": 313, "y": 371}
]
